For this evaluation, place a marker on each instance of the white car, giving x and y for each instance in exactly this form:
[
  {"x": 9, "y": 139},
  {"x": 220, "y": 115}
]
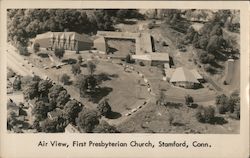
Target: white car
[
  {"x": 134, "y": 110},
  {"x": 128, "y": 114}
]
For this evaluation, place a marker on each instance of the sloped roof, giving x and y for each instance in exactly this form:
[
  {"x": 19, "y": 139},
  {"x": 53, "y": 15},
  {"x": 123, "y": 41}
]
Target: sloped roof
[
  {"x": 182, "y": 74},
  {"x": 152, "y": 56},
  {"x": 100, "y": 39},
  {"x": 142, "y": 57},
  {"x": 65, "y": 35},
  {"x": 12, "y": 106},
  {"x": 159, "y": 56},
  {"x": 196, "y": 74},
  {"x": 71, "y": 129}
]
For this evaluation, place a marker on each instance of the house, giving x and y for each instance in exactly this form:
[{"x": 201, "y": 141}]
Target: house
[
  {"x": 13, "y": 108},
  {"x": 32, "y": 103},
  {"x": 71, "y": 129},
  {"x": 55, "y": 114},
  {"x": 66, "y": 40},
  {"x": 153, "y": 59},
  {"x": 186, "y": 78}
]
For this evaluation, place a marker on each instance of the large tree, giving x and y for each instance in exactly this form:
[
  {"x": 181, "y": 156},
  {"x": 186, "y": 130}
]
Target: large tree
[
  {"x": 87, "y": 120},
  {"x": 44, "y": 86},
  {"x": 91, "y": 67},
  {"x": 76, "y": 69},
  {"x": 104, "y": 127},
  {"x": 40, "y": 110},
  {"x": 205, "y": 114},
  {"x": 54, "y": 92},
  {"x": 71, "y": 110},
  {"x": 104, "y": 108},
  {"x": 31, "y": 91},
  {"x": 59, "y": 52}
]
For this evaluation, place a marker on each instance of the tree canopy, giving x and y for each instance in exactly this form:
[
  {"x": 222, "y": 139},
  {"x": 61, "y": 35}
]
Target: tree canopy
[{"x": 87, "y": 119}]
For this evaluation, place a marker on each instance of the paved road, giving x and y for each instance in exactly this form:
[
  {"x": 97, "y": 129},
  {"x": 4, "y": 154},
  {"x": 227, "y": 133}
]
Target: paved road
[{"x": 19, "y": 65}]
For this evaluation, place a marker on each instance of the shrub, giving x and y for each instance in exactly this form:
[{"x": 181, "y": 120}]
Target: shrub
[
  {"x": 163, "y": 43},
  {"x": 141, "y": 63},
  {"x": 36, "y": 47},
  {"x": 10, "y": 73},
  {"x": 189, "y": 99},
  {"x": 205, "y": 114},
  {"x": 65, "y": 79},
  {"x": 22, "y": 50}
]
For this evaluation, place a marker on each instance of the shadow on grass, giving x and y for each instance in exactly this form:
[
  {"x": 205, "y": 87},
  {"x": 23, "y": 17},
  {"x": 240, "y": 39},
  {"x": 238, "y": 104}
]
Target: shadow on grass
[
  {"x": 112, "y": 50},
  {"x": 114, "y": 115},
  {"x": 178, "y": 124},
  {"x": 70, "y": 61},
  {"x": 43, "y": 55},
  {"x": 218, "y": 121},
  {"x": 100, "y": 93},
  {"x": 105, "y": 77}
]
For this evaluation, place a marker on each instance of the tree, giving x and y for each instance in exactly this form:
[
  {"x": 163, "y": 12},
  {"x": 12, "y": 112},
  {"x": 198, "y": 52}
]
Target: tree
[
  {"x": 87, "y": 120},
  {"x": 31, "y": 91},
  {"x": 189, "y": 99},
  {"x": 65, "y": 79},
  {"x": 205, "y": 114},
  {"x": 40, "y": 110},
  {"x": 62, "y": 99},
  {"x": 22, "y": 50},
  {"x": 206, "y": 57},
  {"x": 53, "y": 126},
  {"x": 104, "y": 127},
  {"x": 43, "y": 87},
  {"x": 203, "y": 41},
  {"x": 76, "y": 69},
  {"x": 79, "y": 59},
  {"x": 162, "y": 99},
  {"x": 36, "y": 47},
  {"x": 91, "y": 67},
  {"x": 215, "y": 43},
  {"x": 86, "y": 84},
  {"x": 104, "y": 108},
  {"x": 71, "y": 110},
  {"x": 54, "y": 92},
  {"x": 59, "y": 52},
  {"x": 17, "y": 84}
]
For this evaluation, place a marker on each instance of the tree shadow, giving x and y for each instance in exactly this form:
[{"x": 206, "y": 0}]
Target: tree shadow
[
  {"x": 112, "y": 50},
  {"x": 177, "y": 124},
  {"x": 129, "y": 22},
  {"x": 105, "y": 77},
  {"x": 218, "y": 121},
  {"x": 23, "y": 112},
  {"x": 100, "y": 93},
  {"x": 216, "y": 65},
  {"x": 114, "y": 115},
  {"x": 43, "y": 55},
  {"x": 69, "y": 61}
]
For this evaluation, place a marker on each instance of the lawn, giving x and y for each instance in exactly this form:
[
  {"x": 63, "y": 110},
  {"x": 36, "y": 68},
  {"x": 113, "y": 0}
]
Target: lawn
[
  {"x": 156, "y": 119},
  {"x": 120, "y": 87}
]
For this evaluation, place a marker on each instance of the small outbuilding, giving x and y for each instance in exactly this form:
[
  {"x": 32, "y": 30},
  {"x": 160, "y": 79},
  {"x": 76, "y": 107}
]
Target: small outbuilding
[
  {"x": 71, "y": 129},
  {"x": 185, "y": 78}
]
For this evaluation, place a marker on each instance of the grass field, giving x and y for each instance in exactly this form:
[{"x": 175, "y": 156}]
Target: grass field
[
  {"x": 156, "y": 119},
  {"x": 120, "y": 87}
]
